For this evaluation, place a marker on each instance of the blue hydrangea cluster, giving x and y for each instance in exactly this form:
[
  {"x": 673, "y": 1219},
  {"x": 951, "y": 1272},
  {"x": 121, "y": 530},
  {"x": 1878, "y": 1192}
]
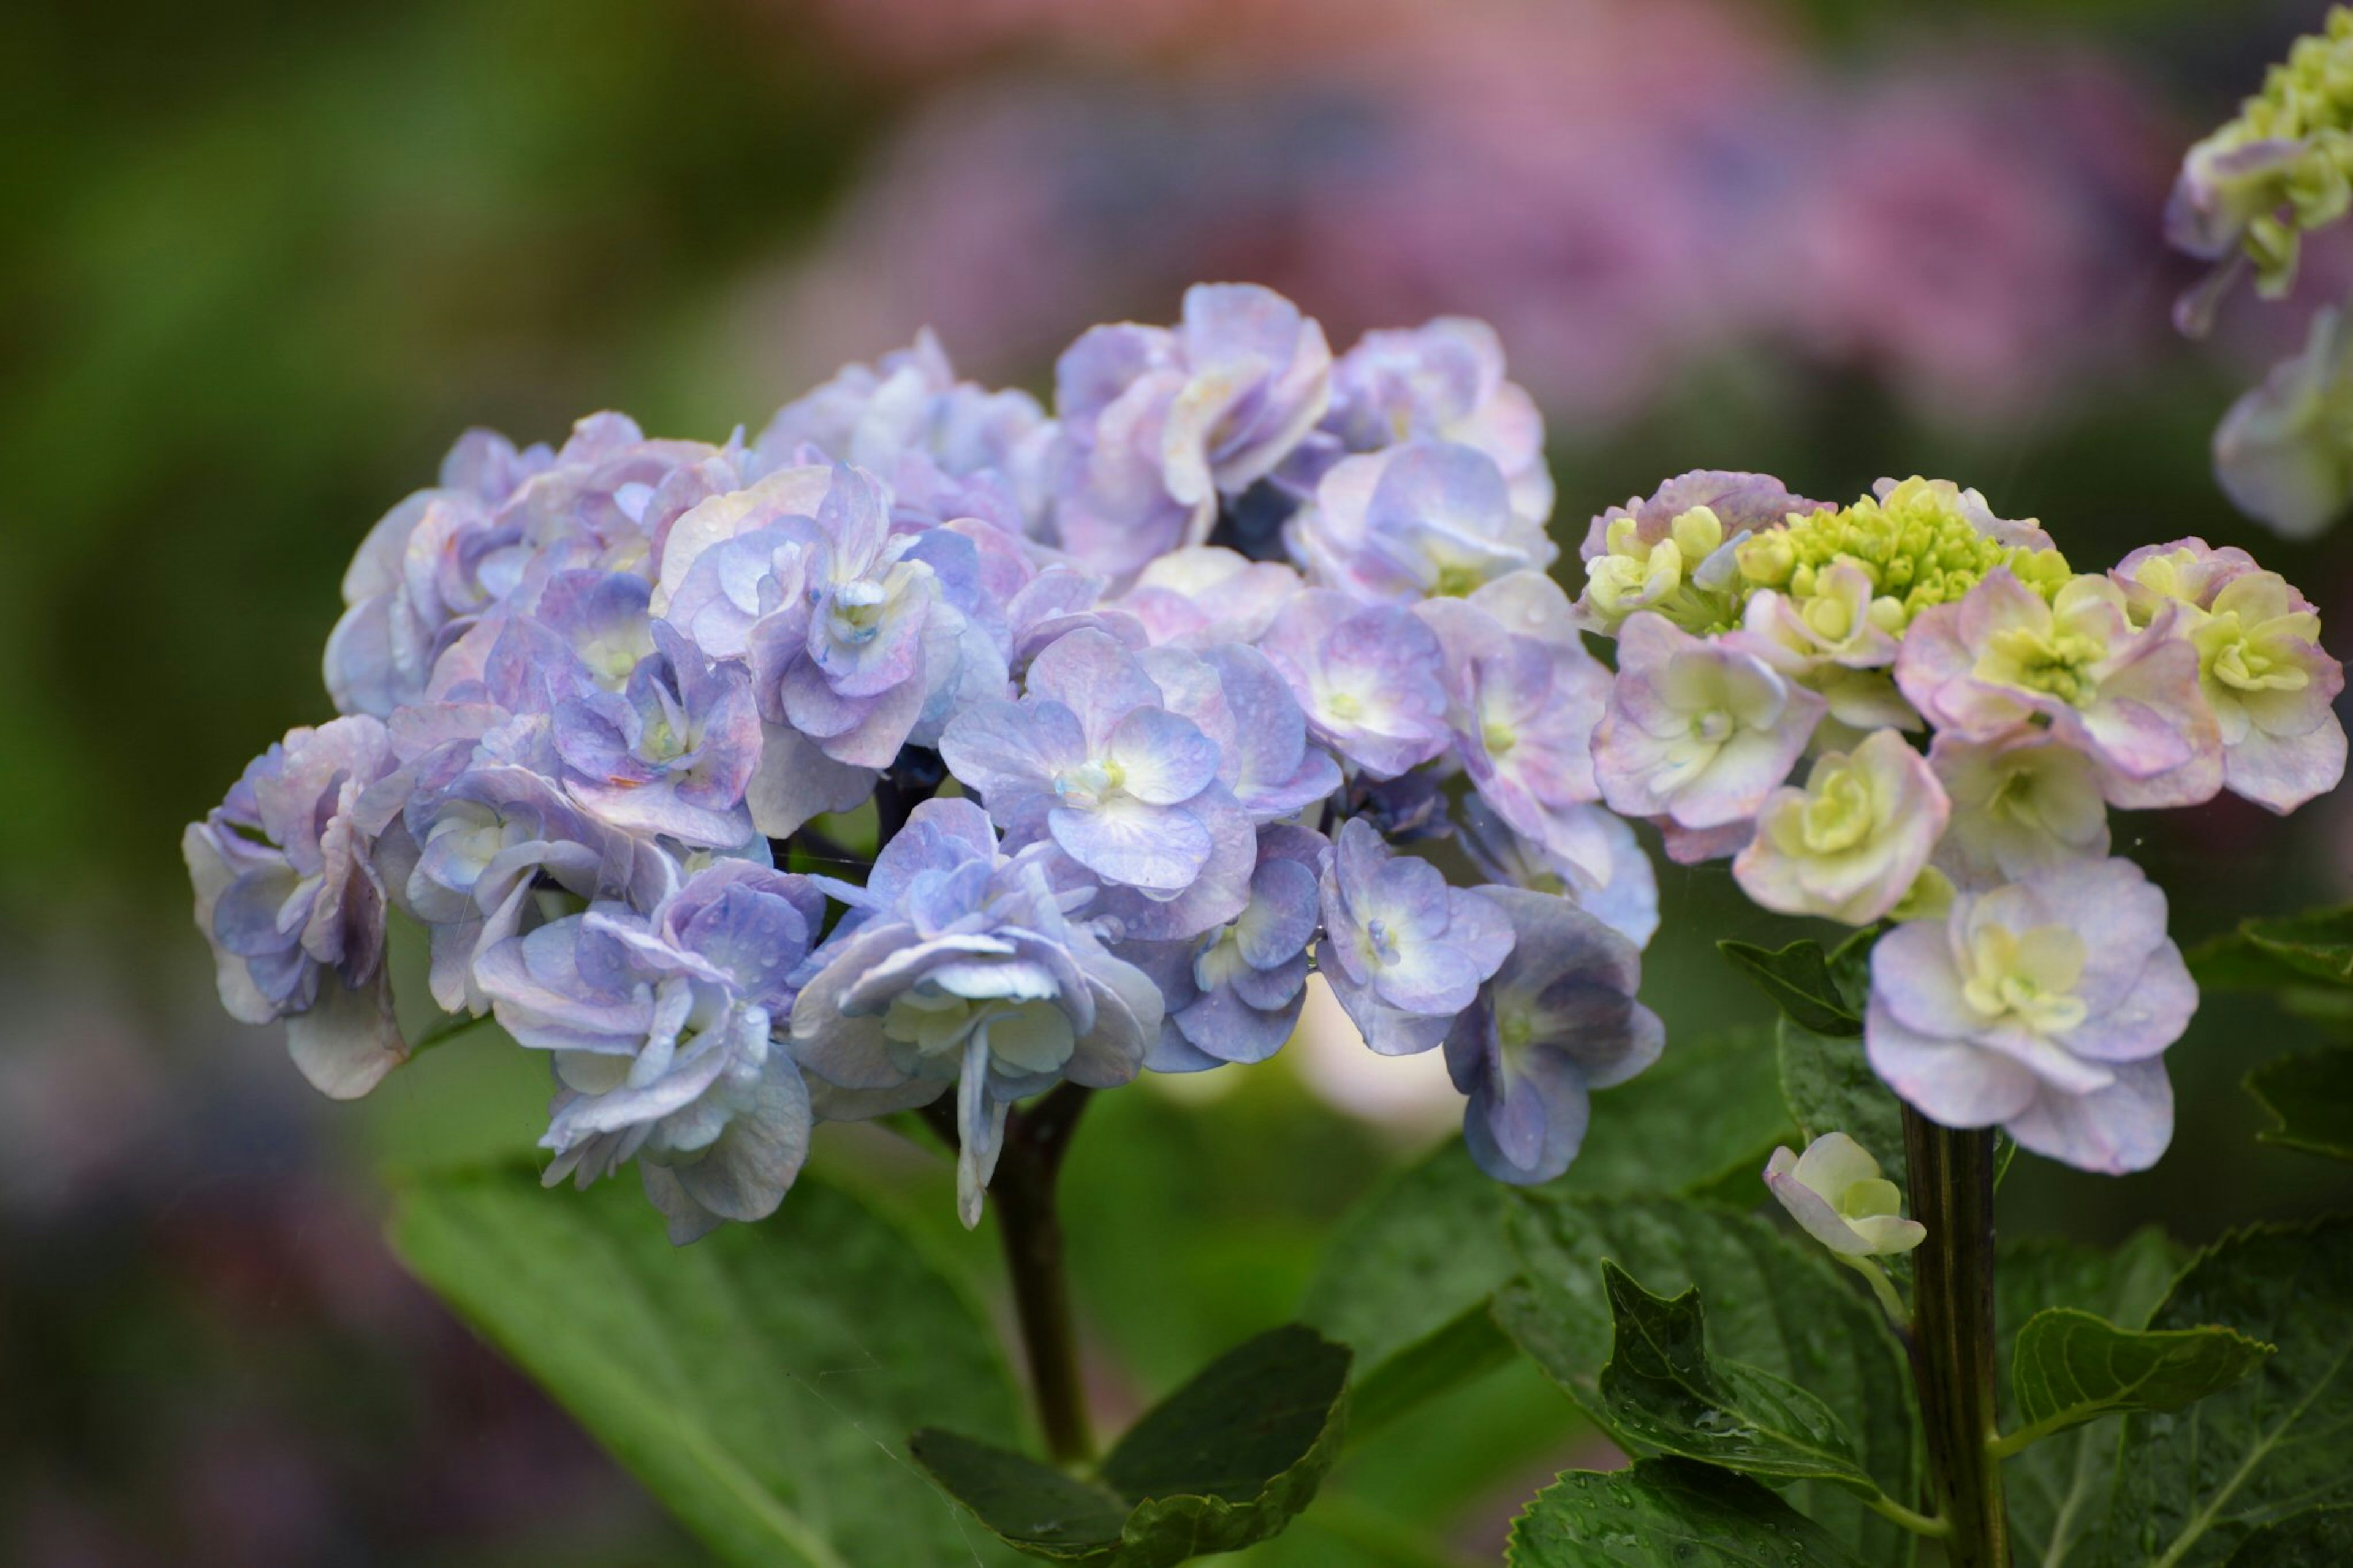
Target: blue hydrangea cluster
[{"x": 1165, "y": 699}]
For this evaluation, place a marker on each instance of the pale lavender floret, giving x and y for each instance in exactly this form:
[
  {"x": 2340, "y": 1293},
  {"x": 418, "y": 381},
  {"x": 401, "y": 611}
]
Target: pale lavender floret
[
  {"x": 1524, "y": 700},
  {"x": 1238, "y": 699},
  {"x": 1558, "y": 1020},
  {"x": 964, "y": 969},
  {"x": 2127, "y": 698},
  {"x": 582, "y": 631},
  {"x": 1402, "y": 951},
  {"x": 1441, "y": 380},
  {"x": 2042, "y": 1006},
  {"x": 661, "y": 1029},
  {"x": 293, "y": 908},
  {"x": 1699, "y": 730},
  {"x": 671, "y": 752},
  {"x": 1158, "y": 425},
  {"x": 433, "y": 563},
  {"x": 471, "y": 853},
  {"x": 947, "y": 448},
  {"x": 1234, "y": 992},
  {"x": 1742, "y": 502},
  {"x": 612, "y": 494},
  {"x": 1092, "y": 757},
  {"x": 1207, "y": 594},
  {"x": 1426, "y": 517},
  {"x": 1368, "y": 677},
  {"x": 1592, "y": 858}
]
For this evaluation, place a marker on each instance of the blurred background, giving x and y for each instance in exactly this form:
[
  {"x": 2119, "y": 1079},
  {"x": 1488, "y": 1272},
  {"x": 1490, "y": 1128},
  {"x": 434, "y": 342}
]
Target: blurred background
[{"x": 263, "y": 260}]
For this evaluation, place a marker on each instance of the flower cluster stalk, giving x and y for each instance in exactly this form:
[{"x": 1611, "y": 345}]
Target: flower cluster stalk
[{"x": 1951, "y": 1342}]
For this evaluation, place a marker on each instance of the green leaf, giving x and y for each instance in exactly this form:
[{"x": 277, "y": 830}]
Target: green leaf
[
  {"x": 1704, "y": 1118},
  {"x": 1830, "y": 1087},
  {"x": 1418, "y": 1251},
  {"x": 2193, "y": 1485},
  {"x": 2318, "y": 1538},
  {"x": 1408, "y": 1272},
  {"x": 1224, "y": 1462},
  {"x": 2059, "y": 1488},
  {"x": 1773, "y": 1306},
  {"x": 1471, "y": 1346},
  {"x": 1665, "y": 1393},
  {"x": 1798, "y": 978},
  {"x": 2310, "y": 1097},
  {"x": 756, "y": 1382},
  {"x": 1668, "y": 1513},
  {"x": 2279, "y": 954},
  {"x": 2070, "y": 1367}
]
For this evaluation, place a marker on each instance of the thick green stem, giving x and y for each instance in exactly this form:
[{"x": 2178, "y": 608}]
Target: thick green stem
[
  {"x": 1023, "y": 1192},
  {"x": 1952, "y": 1335}
]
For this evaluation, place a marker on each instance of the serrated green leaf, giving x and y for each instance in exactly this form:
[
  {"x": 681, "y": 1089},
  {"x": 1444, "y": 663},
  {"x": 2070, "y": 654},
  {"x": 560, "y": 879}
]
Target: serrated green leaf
[
  {"x": 2279, "y": 953},
  {"x": 1424, "y": 1251},
  {"x": 1799, "y": 980},
  {"x": 2309, "y": 1095},
  {"x": 756, "y": 1382},
  {"x": 1773, "y": 1306},
  {"x": 1828, "y": 1086},
  {"x": 1668, "y": 1513},
  {"x": 2071, "y": 1366},
  {"x": 1226, "y": 1460},
  {"x": 2192, "y": 1486},
  {"x": 1469, "y": 1346},
  {"x": 2321, "y": 1538},
  {"x": 2059, "y": 1488},
  {"x": 1664, "y": 1393}
]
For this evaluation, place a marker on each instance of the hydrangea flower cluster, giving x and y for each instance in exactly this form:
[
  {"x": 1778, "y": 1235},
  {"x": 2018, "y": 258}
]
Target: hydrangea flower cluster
[
  {"x": 2283, "y": 166},
  {"x": 1152, "y": 693},
  {"x": 1961, "y": 707}
]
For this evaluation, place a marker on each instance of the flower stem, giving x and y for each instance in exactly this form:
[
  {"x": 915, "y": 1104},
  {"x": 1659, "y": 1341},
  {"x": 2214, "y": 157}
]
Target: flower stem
[
  {"x": 1023, "y": 1190},
  {"x": 1952, "y": 1335}
]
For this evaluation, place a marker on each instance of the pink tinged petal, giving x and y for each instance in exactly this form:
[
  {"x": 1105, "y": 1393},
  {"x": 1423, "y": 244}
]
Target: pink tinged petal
[
  {"x": 2151, "y": 1013},
  {"x": 2282, "y": 773},
  {"x": 1814, "y": 1217},
  {"x": 1932, "y": 660},
  {"x": 2115, "y": 908},
  {"x": 2123, "y": 1127},
  {"x": 1694, "y": 845},
  {"x": 1950, "y": 1080},
  {"x": 1914, "y": 981}
]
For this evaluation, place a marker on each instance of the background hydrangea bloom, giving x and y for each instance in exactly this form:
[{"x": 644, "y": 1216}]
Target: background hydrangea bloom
[
  {"x": 1556, "y": 1020},
  {"x": 2042, "y": 1006}
]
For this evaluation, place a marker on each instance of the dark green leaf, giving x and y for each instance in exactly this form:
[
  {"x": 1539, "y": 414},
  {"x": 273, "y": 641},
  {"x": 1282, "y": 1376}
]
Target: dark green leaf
[
  {"x": 1703, "y": 1119},
  {"x": 1417, "y": 1252},
  {"x": 1830, "y": 1087},
  {"x": 2279, "y": 953},
  {"x": 2192, "y": 1486},
  {"x": 1774, "y": 1306},
  {"x": 2310, "y": 1097},
  {"x": 1036, "y": 1508},
  {"x": 1668, "y": 1513},
  {"x": 1421, "y": 1253},
  {"x": 2322, "y": 1537},
  {"x": 2071, "y": 1366},
  {"x": 756, "y": 1382},
  {"x": 1469, "y": 1347},
  {"x": 1664, "y": 1393},
  {"x": 2059, "y": 1488},
  {"x": 1798, "y": 978},
  {"x": 1226, "y": 1460}
]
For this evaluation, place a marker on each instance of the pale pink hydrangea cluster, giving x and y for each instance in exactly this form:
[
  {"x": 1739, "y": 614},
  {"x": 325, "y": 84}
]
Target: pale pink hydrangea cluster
[{"x": 1911, "y": 710}]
